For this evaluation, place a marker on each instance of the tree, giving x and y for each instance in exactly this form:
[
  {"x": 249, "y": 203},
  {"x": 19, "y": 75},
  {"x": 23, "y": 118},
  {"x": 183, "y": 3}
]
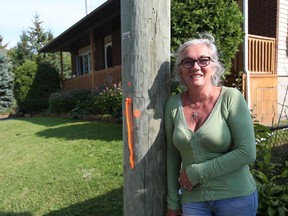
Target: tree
[
  {"x": 21, "y": 52},
  {"x": 36, "y": 74},
  {"x": 6, "y": 82},
  {"x": 222, "y": 18},
  {"x": 24, "y": 78},
  {"x": 54, "y": 59},
  {"x": 67, "y": 68},
  {"x": 37, "y": 36},
  {"x": 30, "y": 42},
  {"x": 45, "y": 83},
  {"x": 2, "y": 46}
]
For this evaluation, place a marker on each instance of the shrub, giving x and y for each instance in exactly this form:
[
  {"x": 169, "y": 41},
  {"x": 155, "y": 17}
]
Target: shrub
[
  {"x": 222, "y": 18},
  {"x": 59, "y": 103},
  {"x": 109, "y": 101},
  {"x": 66, "y": 101},
  {"x": 271, "y": 175},
  {"x": 34, "y": 83},
  {"x": 24, "y": 77},
  {"x": 46, "y": 81},
  {"x": 106, "y": 100}
]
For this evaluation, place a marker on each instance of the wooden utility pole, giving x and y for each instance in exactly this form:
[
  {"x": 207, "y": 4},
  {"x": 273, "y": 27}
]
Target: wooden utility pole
[{"x": 145, "y": 31}]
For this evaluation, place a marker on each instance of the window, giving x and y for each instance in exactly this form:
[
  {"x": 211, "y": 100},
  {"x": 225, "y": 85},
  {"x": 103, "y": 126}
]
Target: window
[
  {"x": 108, "y": 55},
  {"x": 84, "y": 64}
]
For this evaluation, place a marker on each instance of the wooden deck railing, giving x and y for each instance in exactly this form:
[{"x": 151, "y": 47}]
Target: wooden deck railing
[
  {"x": 80, "y": 82},
  {"x": 108, "y": 76},
  {"x": 102, "y": 77},
  {"x": 261, "y": 54}
]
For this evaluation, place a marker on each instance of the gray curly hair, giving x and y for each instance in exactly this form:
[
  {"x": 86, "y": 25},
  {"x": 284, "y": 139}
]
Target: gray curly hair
[{"x": 208, "y": 40}]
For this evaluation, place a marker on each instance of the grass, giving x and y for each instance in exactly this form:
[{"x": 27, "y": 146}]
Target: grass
[{"x": 54, "y": 166}]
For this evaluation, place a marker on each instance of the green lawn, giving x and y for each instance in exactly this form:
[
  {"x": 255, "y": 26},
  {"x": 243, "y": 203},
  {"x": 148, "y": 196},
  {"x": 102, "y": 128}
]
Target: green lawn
[{"x": 54, "y": 166}]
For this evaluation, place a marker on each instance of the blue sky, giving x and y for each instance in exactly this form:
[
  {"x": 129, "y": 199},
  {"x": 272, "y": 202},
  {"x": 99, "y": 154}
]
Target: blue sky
[{"x": 57, "y": 16}]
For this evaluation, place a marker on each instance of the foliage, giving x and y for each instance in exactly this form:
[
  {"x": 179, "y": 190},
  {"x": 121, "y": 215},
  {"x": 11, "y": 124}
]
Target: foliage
[
  {"x": 46, "y": 82},
  {"x": 109, "y": 101},
  {"x": 2, "y": 46},
  {"x": 24, "y": 77},
  {"x": 105, "y": 101},
  {"x": 21, "y": 52},
  {"x": 37, "y": 36},
  {"x": 6, "y": 82},
  {"x": 36, "y": 74},
  {"x": 66, "y": 61},
  {"x": 63, "y": 102},
  {"x": 222, "y": 18},
  {"x": 34, "y": 82},
  {"x": 30, "y": 43},
  {"x": 55, "y": 167},
  {"x": 238, "y": 84},
  {"x": 271, "y": 176}
]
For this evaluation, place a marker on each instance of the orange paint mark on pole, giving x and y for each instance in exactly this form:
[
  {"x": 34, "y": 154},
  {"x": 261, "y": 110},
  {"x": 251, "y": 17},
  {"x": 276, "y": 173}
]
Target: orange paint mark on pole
[
  {"x": 128, "y": 112},
  {"x": 137, "y": 113}
]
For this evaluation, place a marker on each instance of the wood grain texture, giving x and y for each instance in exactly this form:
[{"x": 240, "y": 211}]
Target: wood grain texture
[{"x": 145, "y": 36}]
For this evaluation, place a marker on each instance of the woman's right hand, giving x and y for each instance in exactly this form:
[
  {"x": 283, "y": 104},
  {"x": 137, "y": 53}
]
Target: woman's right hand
[{"x": 173, "y": 212}]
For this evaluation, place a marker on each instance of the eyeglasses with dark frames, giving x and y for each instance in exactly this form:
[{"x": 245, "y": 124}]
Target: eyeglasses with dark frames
[{"x": 189, "y": 63}]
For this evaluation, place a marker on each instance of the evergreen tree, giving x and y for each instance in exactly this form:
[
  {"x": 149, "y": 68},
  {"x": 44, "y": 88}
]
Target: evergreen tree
[
  {"x": 34, "y": 82},
  {"x": 6, "y": 82},
  {"x": 30, "y": 42},
  {"x": 54, "y": 59},
  {"x": 22, "y": 51},
  {"x": 36, "y": 74},
  {"x": 2, "y": 46},
  {"x": 24, "y": 78},
  {"x": 37, "y": 36},
  {"x": 45, "y": 83}
]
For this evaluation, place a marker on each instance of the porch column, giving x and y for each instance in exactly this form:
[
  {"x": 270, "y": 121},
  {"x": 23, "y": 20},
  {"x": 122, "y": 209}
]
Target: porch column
[
  {"x": 62, "y": 69},
  {"x": 92, "y": 60}
]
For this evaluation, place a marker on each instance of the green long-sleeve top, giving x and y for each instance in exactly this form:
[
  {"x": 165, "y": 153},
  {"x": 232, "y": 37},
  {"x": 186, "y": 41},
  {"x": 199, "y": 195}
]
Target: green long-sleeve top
[{"x": 216, "y": 157}]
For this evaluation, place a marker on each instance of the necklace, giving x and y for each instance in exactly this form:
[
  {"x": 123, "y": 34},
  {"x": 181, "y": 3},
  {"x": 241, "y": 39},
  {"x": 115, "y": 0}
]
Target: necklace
[{"x": 195, "y": 113}]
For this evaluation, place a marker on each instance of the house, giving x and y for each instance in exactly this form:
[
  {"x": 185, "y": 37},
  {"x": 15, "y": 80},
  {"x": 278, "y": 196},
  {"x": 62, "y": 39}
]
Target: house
[
  {"x": 95, "y": 46},
  {"x": 266, "y": 74}
]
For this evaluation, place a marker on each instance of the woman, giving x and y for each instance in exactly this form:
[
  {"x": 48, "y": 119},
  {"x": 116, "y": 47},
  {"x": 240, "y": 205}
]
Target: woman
[{"x": 210, "y": 140}]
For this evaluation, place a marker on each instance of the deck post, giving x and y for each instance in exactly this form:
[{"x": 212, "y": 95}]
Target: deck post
[
  {"x": 92, "y": 50},
  {"x": 145, "y": 32},
  {"x": 61, "y": 65}
]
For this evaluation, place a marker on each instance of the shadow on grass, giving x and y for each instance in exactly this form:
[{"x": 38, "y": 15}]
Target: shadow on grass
[
  {"x": 109, "y": 204},
  {"x": 86, "y": 130},
  {"x": 47, "y": 121},
  {"x": 15, "y": 214}
]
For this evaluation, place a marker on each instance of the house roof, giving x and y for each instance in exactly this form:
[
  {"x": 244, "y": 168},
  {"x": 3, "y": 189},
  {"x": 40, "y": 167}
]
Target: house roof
[{"x": 78, "y": 35}]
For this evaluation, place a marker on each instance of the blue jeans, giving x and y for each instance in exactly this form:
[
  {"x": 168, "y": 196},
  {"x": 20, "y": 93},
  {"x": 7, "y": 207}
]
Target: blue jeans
[{"x": 239, "y": 206}]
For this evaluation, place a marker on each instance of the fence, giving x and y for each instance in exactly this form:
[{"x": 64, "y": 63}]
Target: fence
[{"x": 280, "y": 135}]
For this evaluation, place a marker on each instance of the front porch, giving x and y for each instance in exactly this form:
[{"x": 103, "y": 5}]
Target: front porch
[
  {"x": 261, "y": 66},
  {"x": 94, "y": 80}
]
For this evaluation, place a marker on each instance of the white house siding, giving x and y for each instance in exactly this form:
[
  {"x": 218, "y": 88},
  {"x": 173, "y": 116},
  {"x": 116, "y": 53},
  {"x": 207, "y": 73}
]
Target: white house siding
[{"x": 282, "y": 67}]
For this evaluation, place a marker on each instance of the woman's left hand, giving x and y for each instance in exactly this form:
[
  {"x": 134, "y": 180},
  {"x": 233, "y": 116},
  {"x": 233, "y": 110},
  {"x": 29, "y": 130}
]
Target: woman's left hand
[{"x": 184, "y": 181}]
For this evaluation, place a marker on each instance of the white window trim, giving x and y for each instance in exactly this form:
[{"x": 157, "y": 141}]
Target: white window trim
[
  {"x": 88, "y": 56},
  {"x": 106, "y": 45}
]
